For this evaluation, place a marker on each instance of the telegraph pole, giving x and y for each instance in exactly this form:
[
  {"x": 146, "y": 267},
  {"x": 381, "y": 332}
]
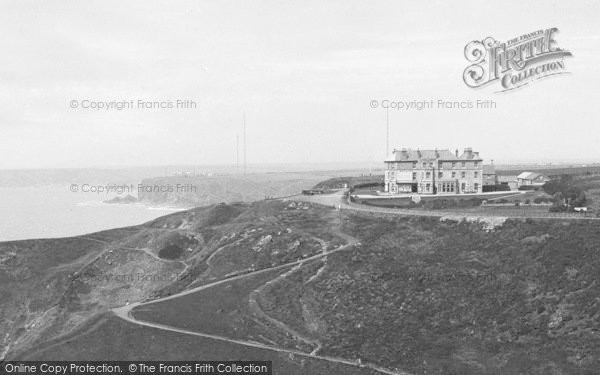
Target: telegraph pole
[
  {"x": 387, "y": 132},
  {"x": 244, "y": 143}
]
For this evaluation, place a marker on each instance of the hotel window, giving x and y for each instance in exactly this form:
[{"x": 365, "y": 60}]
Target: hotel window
[
  {"x": 414, "y": 175},
  {"x": 453, "y": 164},
  {"x": 427, "y": 187},
  {"x": 463, "y": 164},
  {"x": 430, "y": 164},
  {"x": 476, "y": 174},
  {"x": 453, "y": 174},
  {"x": 424, "y": 165},
  {"x": 476, "y": 164},
  {"x": 462, "y": 187},
  {"x": 463, "y": 174},
  {"x": 393, "y": 165},
  {"x": 476, "y": 187},
  {"x": 414, "y": 164},
  {"x": 440, "y": 174},
  {"x": 428, "y": 175}
]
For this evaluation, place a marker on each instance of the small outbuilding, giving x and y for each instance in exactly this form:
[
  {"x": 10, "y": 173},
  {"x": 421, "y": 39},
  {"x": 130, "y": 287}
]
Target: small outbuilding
[{"x": 531, "y": 179}]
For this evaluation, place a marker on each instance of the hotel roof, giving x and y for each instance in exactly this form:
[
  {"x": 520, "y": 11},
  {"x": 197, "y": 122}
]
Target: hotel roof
[{"x": 416, "y": 155}]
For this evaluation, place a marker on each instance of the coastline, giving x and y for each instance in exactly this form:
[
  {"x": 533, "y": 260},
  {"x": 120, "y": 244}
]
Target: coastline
[{"x": 55, "y": 212}]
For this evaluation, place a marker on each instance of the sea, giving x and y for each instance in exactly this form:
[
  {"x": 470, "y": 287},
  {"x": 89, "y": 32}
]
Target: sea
[{"x": 54, "y": 211}]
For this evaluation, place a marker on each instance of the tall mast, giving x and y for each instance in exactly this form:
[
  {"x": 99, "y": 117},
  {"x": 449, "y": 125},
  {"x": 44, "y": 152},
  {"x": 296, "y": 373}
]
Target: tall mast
[
  {"x": 387, "y": 132},
  {"x": 244, "y": 143}
]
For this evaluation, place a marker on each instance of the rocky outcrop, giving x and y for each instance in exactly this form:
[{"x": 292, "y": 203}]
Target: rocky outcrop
[{"x": 122, "y": 200}]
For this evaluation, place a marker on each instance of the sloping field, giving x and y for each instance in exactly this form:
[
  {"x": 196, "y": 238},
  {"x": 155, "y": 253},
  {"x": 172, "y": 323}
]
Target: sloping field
[
  {"x": 222, "y": 309},
  {"x": 111, "y": 338}
]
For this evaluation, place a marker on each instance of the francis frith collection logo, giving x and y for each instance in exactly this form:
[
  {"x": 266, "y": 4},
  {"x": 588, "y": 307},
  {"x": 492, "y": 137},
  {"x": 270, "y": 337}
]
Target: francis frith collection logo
[{"x": 514, "y": 63}]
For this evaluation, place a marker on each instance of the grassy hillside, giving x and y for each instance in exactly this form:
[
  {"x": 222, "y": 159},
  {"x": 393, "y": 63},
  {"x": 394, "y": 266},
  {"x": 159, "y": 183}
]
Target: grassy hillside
[
  {"x": 452, "y": 298},
  {"x": 51, "y": 287},
  {"x": 413, "y": 293}
]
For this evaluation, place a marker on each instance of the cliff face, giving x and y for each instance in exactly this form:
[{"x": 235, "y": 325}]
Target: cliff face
[{"x": 200, "y": 191}]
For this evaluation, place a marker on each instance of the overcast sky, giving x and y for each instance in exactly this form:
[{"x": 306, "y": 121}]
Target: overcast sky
[{"x": 303, "y": 72}]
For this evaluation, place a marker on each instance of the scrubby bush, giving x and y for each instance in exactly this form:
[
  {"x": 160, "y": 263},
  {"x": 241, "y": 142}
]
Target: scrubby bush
[
  {"x": 567, "y": 193},
  {"x": 558, "y": 208},
  {"x": 497, "y": 187},
  {"x": 529, "y": 188}
]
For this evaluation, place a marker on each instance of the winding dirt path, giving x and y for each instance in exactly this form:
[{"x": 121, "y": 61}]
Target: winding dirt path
[
  {"x": 255, "y": 344},
  {"x": 130, "y": 307},
  {"x": 125, "y": 313},
  {"x": 259, "y": 312},
  {"x": 214, "y": 253}
]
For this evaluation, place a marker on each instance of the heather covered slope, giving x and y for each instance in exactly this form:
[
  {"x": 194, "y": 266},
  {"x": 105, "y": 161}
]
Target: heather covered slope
[
  {"x": 445, "y": 297},
  {"x": 413, "y": 294}
]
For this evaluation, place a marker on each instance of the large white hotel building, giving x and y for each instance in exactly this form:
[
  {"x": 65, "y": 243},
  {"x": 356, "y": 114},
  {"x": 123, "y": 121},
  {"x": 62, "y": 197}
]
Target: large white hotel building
[{"x": 434, "y": 172}]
